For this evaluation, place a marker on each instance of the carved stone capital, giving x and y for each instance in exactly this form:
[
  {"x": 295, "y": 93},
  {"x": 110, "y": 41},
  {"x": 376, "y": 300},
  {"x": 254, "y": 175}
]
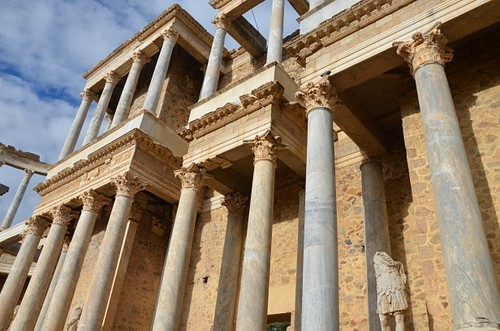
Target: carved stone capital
[
  {"x": 222, "y": 21},
  {"x": 425, "y": 48},
  {"x": 93, "y": 201},
  {"x": 112, "y": 77},
  {"x": 235, "y": 203},
  {"x": 170, "y": 34},
  {"x": 35, "y": 225},
  {"x": 191, "y": 177},
  {"x": 265, "y": 147},
  {"x": 88, "y": 95},
  {"x": 62, "y": 215},
  {"x": 320, "y": 94},
  {"x": 128, "y": 185},
  {"x": 140, "y": 57}
]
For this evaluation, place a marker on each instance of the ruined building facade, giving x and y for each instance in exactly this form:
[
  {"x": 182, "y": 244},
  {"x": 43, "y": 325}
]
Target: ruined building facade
[{"x": 233, "y": 190}]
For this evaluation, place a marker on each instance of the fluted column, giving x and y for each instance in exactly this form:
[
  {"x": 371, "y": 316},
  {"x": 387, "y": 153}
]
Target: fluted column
[
  {"x": 153, "y": 96},
  {"x": 320, "y": 303},
  {"x": 211, "y": 79},
  {"x": 254, "y": 287},
  {"x": 274, "y": 48},
  {"x": 474, "y": 295},
  {"x": 76, "y": 127},
  {"x": 173, "y": 282},
  {"x": 100, "y": 287},
  {"x": 123, "y": 107},
  {"x": 50, "y": 292},
  {"x": 14, "y": 205},
  {"x": 227, "y": 293},
  {"x": 14, "y": 283},
  {"x": 95, "y": 124},
  {"x": 29, "y": 309},
  {"x": 70, "y": 272},
  {"x": 376, "y": 230}
]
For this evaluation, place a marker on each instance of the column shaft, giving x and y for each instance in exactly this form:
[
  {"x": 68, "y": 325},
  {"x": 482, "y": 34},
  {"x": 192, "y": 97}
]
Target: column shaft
[
  {"x": 300, "y": 264},
  {"x": 376, "y": 231},
  {"x": 76, "y": 127},
  {"x": 274, "y": 48},
  {"x": 160, "y": 72},
  {"x": 31, "y": 305},
  {"x": 14, "y": 205},
  {"x": 123, "y": 107},
  {"x": 17, "y": 277}
]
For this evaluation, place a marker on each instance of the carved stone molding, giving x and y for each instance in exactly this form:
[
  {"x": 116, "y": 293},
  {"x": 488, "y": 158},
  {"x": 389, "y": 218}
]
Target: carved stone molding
[
  {"x": 170, "y": 34},
  {"x": 235, "y": 203},
  {"x": 191, "y": 177},
  {"x": 425, "y": 48},
  {"x": 128, "y": 185},
  {"x": 216, "y": 162},
  {"x": 221, "y": 21},
  {"x": 62, "y": 215},
  {"x": 93, "y": 201},
  {"x": 265, "y": 147},
  {"x": 140, "y": 57},
  {"x": 269, "y": 93},
  {"x": 35, "y": 225},
  {"x": 319, "y": 94},
  {"x": 112, "y": 77},
  {"x": 88, "y": 95}
]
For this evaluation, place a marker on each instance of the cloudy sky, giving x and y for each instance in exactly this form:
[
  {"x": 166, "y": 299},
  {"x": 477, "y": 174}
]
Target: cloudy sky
[{"x": 46, "y": 46}]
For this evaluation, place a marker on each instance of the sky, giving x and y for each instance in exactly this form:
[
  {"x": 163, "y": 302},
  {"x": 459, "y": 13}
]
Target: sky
[{"x": 46, "y": 46}]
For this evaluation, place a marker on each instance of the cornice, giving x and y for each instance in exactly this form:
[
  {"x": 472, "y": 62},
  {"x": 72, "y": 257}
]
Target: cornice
[
  {"x": 133, "y": 138},
  {"x": 341, "y": 25},
  {"x": 217, "y": 4}
]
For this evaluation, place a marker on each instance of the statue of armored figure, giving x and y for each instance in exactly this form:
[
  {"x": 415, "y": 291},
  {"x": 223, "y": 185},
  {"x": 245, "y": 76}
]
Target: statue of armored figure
[{"x": 391, "y": 295}]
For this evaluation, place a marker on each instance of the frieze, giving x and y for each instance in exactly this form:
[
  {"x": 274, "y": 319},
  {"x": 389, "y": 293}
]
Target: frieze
[{"x": 341, "y": 25}]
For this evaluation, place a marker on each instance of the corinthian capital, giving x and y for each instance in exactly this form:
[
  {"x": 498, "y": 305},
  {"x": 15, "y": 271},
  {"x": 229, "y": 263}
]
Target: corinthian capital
[
  {"x": 170, "y": 34},
  {"x": 320, "y": 94},
  {"x": 112, "y": 77},
  {"x": 222, "y": 21},
  {"x": 425, "y": 48},
  {"x": 88, "y": 95},
  {"x": 62, "y": 215},
  {"x": 265, "y": 147},
  {"x": 191, "y": 177},
  {"x": 35, "y": 225},
  {"x": 93, "y": 201},
  {"x": 140, "y": 57},
  {"x": 235, "y": 203},
  {"x": 128, "y": 185}
]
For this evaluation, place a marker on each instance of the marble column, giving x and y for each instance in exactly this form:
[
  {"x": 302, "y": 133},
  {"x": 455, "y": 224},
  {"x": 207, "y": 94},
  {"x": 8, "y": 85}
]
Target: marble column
[
  {"x": 14, "y": 205},
  {"x": 254, "y": 284},
  {"x": 14, "y": 283},
  {"x": 320, "y": 303},
  {"x": 376, "y": 230},
  {"x": 31, "y": 304},
  {"x": 300, "y": 264},
  {"x": 227, "y": 293},
  {"x": 274, "y": 47},
  {"x": 50, "y": 292},
  {"x": 212, "y": 73},
  {"x": 76, "y": 127},
  {"x": 70, "y": 271},
  {"x": 102, "y": 280},
  {"x": 123, "y": 107},
  {"x": 472, "y": 287},
  {"x": 155, "y": 86},
  {"x": 102, "y": 105},
  {"x": 173, "y": 282}
]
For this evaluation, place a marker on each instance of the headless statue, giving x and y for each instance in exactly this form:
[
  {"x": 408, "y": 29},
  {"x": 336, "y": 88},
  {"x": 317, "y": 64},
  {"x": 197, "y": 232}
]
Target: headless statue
[{"x": 391, "y": 294}]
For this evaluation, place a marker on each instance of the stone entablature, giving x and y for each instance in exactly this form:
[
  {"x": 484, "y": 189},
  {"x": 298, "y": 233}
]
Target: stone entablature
[{"x": 22, "y": 160}]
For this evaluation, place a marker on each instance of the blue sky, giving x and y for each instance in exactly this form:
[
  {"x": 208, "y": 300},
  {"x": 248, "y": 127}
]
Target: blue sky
[{"x": 46, "y": 46}]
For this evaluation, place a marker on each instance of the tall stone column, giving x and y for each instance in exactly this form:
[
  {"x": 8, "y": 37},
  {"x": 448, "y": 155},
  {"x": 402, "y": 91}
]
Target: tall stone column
[
  {"x": 50, "y": 292},
  {"x": 274, "y": 48},
  {"x": 76, "y": 127},
  {"x": 95, "y": 124},
  {"x": 227, "y": 293},
  {"x": 300, "y": 263},
  {"x": 70, "y": 271},
  {"x": 376, "y": 230},
  {"x": 100, "y": 286},
  {"x": 14, "y": 205},
  {"x": 211, "y": 79},
  {"x": 14, "y": 283},
  {"x": 173, "y": 281},
  {"x": 254, "y": 286},
  {"x": 123, "y": 107},
  {"x": 169, "y": 39},
  {"x": 31, "y": 305},
  {"x": 320, "y": 305},
  {"x": 474, "y": 296}
]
